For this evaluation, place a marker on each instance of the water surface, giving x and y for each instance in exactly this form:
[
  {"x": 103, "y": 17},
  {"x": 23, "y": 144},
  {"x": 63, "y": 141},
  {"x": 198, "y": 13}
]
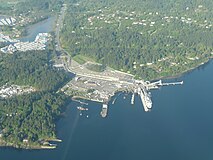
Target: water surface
[
  {"x": 178, "y": 128},
  {"x": 44, "y": 26}
]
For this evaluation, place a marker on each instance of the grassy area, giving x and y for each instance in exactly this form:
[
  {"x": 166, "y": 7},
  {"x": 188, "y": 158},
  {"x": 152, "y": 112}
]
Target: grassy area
[
  {"x": 96, "y": 67},
  {"x": 82, "y": 59},
  {"x": 79, "y": 59}
]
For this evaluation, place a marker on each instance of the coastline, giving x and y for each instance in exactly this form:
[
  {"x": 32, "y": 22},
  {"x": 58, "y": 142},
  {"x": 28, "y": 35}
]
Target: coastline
[
  {"x": 47, "y": 145},
  {"x": 73, "y": 98},
  {"x": 185, "y": 71},
  {"x": 155, "y": 79}
]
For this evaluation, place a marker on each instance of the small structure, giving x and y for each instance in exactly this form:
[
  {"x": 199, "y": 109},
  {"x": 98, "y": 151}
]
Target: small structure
[{"x": 7, "y": 21}]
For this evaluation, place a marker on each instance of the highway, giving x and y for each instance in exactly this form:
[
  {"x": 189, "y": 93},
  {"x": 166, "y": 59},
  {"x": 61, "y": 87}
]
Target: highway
[{"x": 59, "y": 26}]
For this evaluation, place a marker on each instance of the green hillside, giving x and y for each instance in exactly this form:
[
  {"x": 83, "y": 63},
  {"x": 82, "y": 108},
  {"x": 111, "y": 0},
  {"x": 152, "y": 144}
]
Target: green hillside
[{"x": 147, "y": 38}]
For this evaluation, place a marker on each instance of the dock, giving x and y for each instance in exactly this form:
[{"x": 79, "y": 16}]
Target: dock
[
  {"x": 172, "y": 83},
  {"x": 133, "y": 98},
  {"x": 83, "y": 103},
  {"x": 157, "y": 84},
  {"x": 144, "y": 91}
]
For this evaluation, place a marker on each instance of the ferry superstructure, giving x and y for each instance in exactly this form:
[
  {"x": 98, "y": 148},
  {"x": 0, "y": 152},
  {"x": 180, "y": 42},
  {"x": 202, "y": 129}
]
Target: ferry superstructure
[{"x": 145, "y": 98}]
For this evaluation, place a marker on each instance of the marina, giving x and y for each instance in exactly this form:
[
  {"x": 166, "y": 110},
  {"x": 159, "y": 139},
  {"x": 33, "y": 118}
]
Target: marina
[{"x": 38, "y": 44}]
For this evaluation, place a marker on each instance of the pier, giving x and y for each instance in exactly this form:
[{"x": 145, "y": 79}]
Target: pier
[
  {"x": 144, "y": 91},
  {"x": 133, "y": 98},
  {"x": 173, "y": 83},
  {"x": 84, "y": 103},
  {"x": 157, "y": 84},
  {"x": 105, "y": 84}
]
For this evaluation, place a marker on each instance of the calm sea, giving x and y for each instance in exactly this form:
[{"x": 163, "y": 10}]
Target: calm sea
[{"x": 178, "y": 128}]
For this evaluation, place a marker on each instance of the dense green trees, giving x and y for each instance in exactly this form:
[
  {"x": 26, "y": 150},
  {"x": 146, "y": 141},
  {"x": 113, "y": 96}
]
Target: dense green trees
[
  {"x": 39, "y": 5},
  {"x": 30, "y": 68},
  {"x": 147, "y": 38},
  {"x": 31, "y": 116},
  {"x": 26, "y": 6}
]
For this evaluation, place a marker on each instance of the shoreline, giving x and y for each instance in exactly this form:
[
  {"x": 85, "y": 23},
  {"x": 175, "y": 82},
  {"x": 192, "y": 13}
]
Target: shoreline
[
  {"x": 184, "y": 72},
  {"x": 28, "y": 146},
  {"x": 187, "y": 71}
]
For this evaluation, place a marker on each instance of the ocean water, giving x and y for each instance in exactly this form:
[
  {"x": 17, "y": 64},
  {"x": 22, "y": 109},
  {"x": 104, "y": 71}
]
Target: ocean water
[{"x": 179, "y": 127}]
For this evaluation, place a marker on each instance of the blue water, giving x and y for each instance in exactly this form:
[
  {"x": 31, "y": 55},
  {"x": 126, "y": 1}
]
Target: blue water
[
  {"x": 44, "y": 26},
  {"x": 178, "y": 128}
]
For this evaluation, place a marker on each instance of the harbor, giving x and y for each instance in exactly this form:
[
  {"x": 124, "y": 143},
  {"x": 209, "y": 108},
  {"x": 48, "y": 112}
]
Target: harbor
[
  {"x": 101, "y": 86},
  {"x": 143, "y": 135}
]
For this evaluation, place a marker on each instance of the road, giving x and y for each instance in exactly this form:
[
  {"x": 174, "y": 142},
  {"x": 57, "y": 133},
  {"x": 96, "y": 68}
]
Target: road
[{"x": 59, "y": 26}]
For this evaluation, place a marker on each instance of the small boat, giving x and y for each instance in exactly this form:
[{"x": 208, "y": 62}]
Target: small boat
[{"x": 82, "y": 108}]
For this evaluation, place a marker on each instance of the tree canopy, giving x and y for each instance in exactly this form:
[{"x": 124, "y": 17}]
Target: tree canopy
[{"x": 150, "y": 39}]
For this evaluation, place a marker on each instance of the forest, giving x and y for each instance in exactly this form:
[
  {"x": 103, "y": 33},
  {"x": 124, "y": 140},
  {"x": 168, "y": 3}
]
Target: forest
[
  {"x": 146, "y": 38},
  {"x": 18, "y": 7},
  {"x": 31, "y": 116},
  {"x": 31, "y": 68}
]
